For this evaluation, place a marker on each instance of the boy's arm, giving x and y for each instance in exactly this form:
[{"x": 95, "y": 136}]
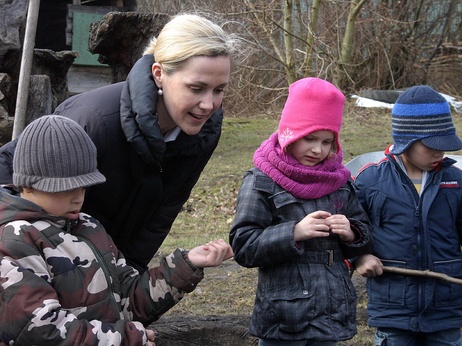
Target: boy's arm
[
  {"x": 31, "y": 314},
  {"x": 361, "y": 226},
  {"x": 160, "y": 288}
]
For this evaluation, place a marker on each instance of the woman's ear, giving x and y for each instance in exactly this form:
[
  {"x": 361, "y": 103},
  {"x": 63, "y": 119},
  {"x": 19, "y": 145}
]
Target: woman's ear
[{"x": 157, "y": 74}]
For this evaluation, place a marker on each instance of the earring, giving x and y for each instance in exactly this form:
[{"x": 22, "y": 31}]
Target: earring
[{"x": 160, "y": 92}]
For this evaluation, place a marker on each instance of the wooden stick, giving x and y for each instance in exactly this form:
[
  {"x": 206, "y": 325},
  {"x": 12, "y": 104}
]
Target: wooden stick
[{"x": 423, "y": 273}]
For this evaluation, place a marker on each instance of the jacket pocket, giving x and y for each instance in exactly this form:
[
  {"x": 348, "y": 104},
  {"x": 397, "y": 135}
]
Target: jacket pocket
[
  {"x": 447, "y": 293},
  {"x": 292, "y": 311},
  {"x": 388, "y": 288},
  {"x": 283, "y": 198}
]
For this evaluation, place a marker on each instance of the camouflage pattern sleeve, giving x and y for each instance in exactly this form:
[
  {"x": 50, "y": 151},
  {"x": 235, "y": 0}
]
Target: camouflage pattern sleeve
[
  {"x": 30, "y": 311},
  {"x": 159, "y": 288},
  {"x": 71, "y": 286}
]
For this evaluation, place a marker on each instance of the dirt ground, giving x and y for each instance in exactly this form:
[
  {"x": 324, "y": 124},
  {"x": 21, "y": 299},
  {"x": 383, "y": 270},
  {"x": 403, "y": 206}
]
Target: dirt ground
[{"x": 187, "y": 329}]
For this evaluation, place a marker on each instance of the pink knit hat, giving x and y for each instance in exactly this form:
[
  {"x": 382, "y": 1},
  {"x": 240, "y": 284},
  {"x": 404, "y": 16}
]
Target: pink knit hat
[{"x": 313, "y": 104}]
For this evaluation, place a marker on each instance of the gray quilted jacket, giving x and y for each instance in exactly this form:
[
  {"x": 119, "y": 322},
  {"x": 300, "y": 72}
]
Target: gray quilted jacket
[{"x": 304, "y": 290}]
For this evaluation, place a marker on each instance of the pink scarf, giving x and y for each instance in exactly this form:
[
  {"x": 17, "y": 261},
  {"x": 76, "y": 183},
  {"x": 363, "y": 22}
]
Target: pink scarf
[{"x": 301, "y": 181}]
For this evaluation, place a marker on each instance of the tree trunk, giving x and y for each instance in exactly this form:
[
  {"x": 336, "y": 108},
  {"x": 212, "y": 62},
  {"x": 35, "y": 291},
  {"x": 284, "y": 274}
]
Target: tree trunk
[{"x": 347, "y": 44}]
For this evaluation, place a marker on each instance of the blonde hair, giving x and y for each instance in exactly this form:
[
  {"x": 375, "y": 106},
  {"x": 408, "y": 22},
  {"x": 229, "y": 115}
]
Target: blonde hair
[{"x": 186, "y": 36}]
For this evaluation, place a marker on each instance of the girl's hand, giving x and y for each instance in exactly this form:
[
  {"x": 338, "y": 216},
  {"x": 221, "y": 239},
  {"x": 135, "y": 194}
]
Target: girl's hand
[
  {"x": 340, "y": 225},
  {"x": 313, "y": 225}
]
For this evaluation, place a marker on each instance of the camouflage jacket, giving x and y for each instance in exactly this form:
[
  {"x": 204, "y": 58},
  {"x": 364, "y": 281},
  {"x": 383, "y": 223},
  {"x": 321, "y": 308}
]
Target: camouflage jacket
[{"x": 65, "y": 283}]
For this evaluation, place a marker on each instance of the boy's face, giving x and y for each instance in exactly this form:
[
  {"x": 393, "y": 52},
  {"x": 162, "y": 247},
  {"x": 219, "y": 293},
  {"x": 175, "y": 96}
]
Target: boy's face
[
  {"x": 421, "y": 157},
  {"x": 66, "y": 204}
]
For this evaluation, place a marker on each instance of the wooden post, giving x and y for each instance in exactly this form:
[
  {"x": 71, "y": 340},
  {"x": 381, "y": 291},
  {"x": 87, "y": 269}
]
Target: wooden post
[{"x": 26, "y": 68}]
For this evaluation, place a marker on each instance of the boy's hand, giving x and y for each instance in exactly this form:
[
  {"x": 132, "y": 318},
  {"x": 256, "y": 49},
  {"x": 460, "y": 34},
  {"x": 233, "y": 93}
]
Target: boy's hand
[
  {"x": 151, "y": 336},
  {"x": 369, "y": 266},
  {"x": 211, "y": 254}
]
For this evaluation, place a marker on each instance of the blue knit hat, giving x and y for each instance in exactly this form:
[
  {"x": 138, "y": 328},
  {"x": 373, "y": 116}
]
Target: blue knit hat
[{"x": 421, "y": 113}]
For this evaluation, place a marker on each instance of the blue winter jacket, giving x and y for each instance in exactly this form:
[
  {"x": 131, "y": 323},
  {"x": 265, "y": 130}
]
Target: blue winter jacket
[{"x": 421, "y": 233}]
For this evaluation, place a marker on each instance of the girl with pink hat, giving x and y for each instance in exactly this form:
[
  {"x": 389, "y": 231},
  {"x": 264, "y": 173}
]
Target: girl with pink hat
[{"x": 297, "y": 220}]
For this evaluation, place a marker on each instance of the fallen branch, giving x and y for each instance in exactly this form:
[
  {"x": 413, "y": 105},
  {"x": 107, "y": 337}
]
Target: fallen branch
[{"x": 423, "y": 273}]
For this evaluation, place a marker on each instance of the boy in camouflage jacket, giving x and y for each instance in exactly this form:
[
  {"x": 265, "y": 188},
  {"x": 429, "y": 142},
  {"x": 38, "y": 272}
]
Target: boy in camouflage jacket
[{"x": 64, "y": 281}]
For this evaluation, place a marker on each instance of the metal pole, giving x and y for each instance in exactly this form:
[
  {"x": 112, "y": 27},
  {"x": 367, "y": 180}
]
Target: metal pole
[{"x": 26, "y": 68}]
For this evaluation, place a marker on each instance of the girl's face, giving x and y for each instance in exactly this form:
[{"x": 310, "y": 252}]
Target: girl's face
[
  {"x": 421, "y": 157},
  {"x": 313, "y": 148},
  {"x": 66, "y": 204},
  {"x": 193, "y": 93}
]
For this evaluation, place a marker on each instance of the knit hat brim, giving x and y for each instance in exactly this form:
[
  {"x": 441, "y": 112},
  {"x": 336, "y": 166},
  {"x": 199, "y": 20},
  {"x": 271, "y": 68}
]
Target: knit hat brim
[
  {"x": 441, "y": 143},
  {"x": 54, "y": 184}
]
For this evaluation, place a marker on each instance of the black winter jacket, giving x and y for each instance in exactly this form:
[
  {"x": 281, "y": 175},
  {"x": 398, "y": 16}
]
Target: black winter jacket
[{"x": 147, "y": 180}]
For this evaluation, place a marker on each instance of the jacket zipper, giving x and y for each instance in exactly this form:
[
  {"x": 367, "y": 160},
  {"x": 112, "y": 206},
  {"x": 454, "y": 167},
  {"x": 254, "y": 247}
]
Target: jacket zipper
[{"x": 103, "y": 266}]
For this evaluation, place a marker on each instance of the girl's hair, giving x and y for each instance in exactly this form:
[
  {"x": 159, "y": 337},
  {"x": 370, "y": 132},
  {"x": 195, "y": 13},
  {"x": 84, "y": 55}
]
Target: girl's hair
[
  {"x": 186, "y": 36},
  {"x": 333, "y": 150}
]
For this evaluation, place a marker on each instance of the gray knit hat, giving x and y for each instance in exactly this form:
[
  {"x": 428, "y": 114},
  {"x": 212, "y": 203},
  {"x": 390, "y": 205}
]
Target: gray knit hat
[{"x": 55, "y": 154}]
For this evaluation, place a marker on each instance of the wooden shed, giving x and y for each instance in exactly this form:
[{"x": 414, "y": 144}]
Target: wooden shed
[{"x": 64, "y": 24}]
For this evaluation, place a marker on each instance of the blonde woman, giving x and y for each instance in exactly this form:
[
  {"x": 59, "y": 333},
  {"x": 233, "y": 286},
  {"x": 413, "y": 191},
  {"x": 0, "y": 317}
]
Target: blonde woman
[{"x": 154, "y": 133}]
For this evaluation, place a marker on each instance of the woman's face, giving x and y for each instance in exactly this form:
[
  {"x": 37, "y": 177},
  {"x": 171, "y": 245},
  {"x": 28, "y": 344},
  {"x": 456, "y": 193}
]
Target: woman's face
[{"x": 193, "y": 93}]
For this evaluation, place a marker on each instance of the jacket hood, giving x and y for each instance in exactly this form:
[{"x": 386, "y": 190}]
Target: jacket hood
[{"x": 138, "y": 108}]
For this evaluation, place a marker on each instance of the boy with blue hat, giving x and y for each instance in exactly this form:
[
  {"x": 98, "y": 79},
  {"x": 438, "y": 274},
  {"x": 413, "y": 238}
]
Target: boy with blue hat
[{"x": 413, "y": 197}]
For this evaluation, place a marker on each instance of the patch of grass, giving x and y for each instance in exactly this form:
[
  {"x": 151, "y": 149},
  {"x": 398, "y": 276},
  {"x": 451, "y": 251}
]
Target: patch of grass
[{"x": 208, "y": 213}]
